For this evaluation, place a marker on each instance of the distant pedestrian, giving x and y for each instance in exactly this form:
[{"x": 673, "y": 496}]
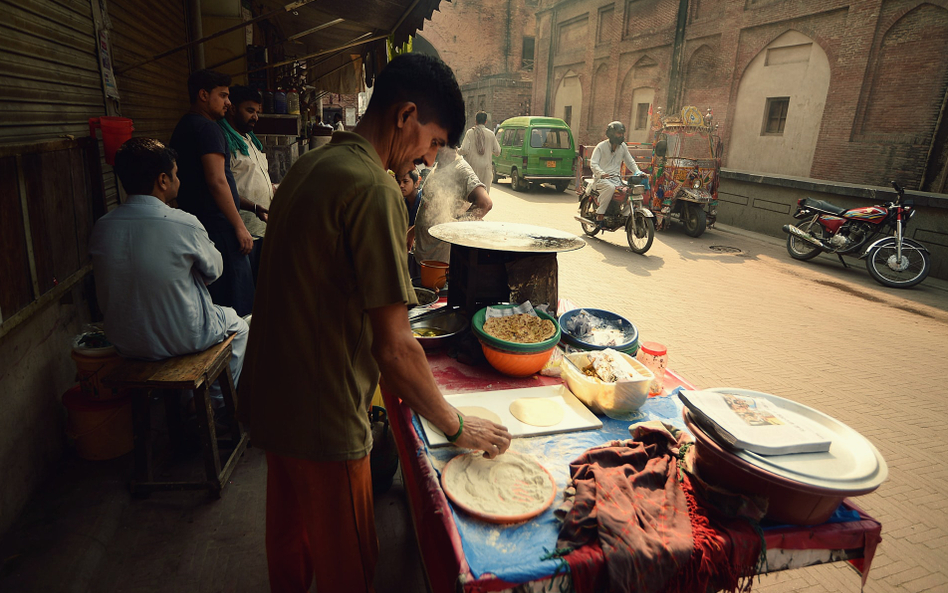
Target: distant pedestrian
[
  {"x": 478, "y": 147},
  {"x": 208, "y": 189},
  {"x": 337, "y": 124}
]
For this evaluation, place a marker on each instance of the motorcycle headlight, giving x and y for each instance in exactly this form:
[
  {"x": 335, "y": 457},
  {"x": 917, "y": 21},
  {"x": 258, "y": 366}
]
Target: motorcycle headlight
[{"x": 697, "y": 184}]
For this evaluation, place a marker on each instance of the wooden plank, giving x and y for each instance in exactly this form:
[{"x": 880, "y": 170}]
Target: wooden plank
[
  {"x": 16, "y": 286},
  {"x": 82, "y": 198},
  {"x": 39, "y": 304},
  {"x": 52, "y": 216},
  {"x": 180, "y": 372}
]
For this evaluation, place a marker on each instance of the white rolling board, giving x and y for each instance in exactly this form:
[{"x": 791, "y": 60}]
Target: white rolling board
[{"x": 576, "y": 416}]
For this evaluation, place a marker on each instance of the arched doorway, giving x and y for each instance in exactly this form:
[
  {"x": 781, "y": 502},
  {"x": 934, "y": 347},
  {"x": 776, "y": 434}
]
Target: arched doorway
[
  {"x": 568, "y": 100},
  {"x": 779, "y": 108}
]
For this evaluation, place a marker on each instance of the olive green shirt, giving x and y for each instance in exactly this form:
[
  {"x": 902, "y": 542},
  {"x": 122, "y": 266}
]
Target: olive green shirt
[{"x": 335, "y": 247}]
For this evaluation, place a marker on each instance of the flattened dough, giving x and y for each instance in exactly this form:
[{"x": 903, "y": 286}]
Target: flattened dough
[
  {"x": 475, "y": 411},
  {"x": 480, "y": 413},
  {"x": 537, "y": 411},
  {"x": 509, "y": 486}
]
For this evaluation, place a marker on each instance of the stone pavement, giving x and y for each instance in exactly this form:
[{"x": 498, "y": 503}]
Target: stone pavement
[{"x": 831, "y": 338}]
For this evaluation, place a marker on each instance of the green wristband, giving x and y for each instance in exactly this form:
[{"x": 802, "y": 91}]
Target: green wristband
[{"x": 454, "y": 438}]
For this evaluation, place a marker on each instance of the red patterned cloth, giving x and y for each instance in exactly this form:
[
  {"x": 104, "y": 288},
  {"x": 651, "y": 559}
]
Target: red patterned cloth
[{"x": 633, "y": 507}]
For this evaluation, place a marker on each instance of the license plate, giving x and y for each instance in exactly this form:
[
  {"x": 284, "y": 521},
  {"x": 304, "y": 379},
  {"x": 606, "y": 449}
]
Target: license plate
[{"x": 551, "y": 164}]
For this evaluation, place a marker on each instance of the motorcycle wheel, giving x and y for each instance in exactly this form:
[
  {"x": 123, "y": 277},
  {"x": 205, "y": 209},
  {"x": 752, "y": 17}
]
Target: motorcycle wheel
[
  {"x": 562, "y": 185},
  {"x": 517, "y": 182},
  {"x": 882, "y": 265},
  {"x": 695, "y": 219},
  {"x": 587, "y": 210},
  {"x": 640, "y": 231},
  {"x": 800, "y": 249}
]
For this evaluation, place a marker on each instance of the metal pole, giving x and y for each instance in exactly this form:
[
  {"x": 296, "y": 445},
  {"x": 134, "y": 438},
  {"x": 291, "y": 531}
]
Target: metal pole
[
  {"x": 195, "y": 32},
  {"x": 674, "y": 80}
]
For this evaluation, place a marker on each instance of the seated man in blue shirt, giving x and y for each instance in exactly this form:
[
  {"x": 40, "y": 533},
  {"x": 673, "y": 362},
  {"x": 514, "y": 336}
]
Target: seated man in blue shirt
[{"x": 152, "y": 264}]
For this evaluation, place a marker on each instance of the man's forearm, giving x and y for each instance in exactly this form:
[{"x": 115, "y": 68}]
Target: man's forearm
[
  {"x": 405, "y": 372},
  {"x": 225, "y": 201}
]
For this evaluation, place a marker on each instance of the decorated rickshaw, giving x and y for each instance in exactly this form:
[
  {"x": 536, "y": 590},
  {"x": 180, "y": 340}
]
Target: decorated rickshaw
[{"x": 685, "y": 166}]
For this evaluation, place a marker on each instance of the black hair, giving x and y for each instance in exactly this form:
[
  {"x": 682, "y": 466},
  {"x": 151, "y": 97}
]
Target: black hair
[
  {"x": 413, "y": 174},
  {"x": 480, "y": 117},
  {"x": 337, "y": 117},
  {"x": 240, "y": 93},
  {"x": 427, "y": 82},
  {"x": 140, "y": 161},
  {"x": 205, "y": 80}
]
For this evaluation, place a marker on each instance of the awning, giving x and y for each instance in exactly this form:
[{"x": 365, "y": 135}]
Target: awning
[{"x": 335, "y": 37}]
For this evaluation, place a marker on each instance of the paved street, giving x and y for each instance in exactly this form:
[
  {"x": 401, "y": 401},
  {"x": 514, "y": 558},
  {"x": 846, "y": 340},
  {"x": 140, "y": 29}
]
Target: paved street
[{"x": 828, "y": 337}]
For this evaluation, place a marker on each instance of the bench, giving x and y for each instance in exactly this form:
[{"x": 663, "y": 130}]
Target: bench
[{"x": 197, "y": 372}]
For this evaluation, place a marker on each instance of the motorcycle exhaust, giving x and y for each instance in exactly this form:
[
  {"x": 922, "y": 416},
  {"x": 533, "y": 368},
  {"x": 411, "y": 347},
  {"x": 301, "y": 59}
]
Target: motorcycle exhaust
[{"x": 792, "y": 230}]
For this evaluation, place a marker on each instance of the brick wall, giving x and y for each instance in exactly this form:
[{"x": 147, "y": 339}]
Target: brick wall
[
  {"x": 889, "y": 72},
  {"x": 483, "y": 41}
]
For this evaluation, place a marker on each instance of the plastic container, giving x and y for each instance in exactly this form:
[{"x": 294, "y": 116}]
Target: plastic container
[
  {"x": 268, "y": 101},
  {"x": 279, "y": 102},
  {"x": 293, "y": 102},
  {"x": 100, "y": 429},
  {"x": 654, "y": 356},
  {"x": 630, "y": 333},
  {"x": 477, "y": 323},
  {"x": 434, "y": 274},
  {"x": 92, "y": 365},
  {"x": 606, "y": 398},
  {"x": 516, "y": 364},
  {"x": 115, "y": 132}
]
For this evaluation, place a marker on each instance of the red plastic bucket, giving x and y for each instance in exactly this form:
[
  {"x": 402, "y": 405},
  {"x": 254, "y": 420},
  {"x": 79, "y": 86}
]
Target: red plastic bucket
[
  {"x": 115, "y": 132},
  {"x": 99, "y": 429}
]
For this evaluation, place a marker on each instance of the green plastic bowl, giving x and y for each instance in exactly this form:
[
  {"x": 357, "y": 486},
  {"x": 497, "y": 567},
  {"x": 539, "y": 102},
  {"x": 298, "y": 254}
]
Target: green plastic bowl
[{"x": 477, "y": 324}]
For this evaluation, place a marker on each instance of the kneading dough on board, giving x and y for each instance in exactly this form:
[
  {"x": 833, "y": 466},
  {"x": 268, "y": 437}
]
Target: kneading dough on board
[
  {"x": 475, "y": 411},
  {"x": 537, "y": 412},
  {"x": 507, "y": 486}
]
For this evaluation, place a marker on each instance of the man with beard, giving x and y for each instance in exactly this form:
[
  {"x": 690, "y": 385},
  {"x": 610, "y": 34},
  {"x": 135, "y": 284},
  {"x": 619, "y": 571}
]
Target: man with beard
[
  {"x": 248, "y": 163},
  {"x": 330, "y": 317},
  {"x": 606, "y": 161},
  {"x": 208, "y": 190}
]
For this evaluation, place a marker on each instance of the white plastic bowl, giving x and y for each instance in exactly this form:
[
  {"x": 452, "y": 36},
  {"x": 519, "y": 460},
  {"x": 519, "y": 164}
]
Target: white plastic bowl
[{"x": 602, "y": 397}]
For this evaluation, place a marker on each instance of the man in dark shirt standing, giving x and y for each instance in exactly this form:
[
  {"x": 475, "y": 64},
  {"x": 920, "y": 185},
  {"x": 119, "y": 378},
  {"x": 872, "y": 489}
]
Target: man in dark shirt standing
[{"x": 208, "y": 190}]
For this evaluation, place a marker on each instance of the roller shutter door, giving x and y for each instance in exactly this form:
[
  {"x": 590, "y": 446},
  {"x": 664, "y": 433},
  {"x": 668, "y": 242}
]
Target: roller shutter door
[{"x": 155, "y": 95}]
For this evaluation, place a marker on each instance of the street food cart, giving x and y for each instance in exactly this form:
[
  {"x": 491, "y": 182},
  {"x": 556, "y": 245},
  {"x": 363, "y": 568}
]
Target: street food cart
[
  {"x": 463, "y": 553},
  {"x": 490, "y": 263}
]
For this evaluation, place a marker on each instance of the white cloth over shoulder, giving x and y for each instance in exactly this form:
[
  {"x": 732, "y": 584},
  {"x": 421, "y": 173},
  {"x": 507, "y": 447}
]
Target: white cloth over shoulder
[{"x": 252, "y": 174}]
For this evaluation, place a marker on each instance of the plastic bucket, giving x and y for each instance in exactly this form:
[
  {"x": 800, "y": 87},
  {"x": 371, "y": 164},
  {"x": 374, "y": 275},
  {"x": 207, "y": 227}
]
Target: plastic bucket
[
  {"x": 115, "y": 132},
  {"x": 99, "y": 429},
  {"x": 434, "y": 274},
  {"x": 92, "y": 365}
]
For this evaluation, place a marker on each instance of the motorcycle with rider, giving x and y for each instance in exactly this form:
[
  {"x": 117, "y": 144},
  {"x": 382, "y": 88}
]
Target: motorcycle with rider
[{"x": 608, "y": 201}]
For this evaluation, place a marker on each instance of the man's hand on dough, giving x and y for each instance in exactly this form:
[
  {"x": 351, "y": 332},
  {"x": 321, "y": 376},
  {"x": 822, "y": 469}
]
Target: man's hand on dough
[{"x": 492, "y": 439}]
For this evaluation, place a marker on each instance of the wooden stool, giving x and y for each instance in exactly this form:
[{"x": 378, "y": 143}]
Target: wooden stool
[{"x": 198, "y": 372}]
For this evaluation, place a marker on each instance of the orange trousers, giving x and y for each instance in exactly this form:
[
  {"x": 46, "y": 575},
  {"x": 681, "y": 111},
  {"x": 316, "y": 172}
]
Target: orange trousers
[{"x": 320, "y": 524}]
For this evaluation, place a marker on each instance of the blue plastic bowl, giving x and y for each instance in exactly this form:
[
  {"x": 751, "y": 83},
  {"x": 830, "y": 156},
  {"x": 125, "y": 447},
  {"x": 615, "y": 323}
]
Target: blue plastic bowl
[{"x": 631, "y": 333}]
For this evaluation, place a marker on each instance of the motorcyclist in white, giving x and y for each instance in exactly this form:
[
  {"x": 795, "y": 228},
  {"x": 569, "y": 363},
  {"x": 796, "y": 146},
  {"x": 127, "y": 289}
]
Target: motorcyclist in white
[{"x": 606, "y": 164}]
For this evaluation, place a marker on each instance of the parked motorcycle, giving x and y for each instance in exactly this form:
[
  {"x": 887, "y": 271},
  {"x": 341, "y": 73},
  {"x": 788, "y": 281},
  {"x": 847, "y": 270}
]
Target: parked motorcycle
[
  {"x": 626, "y": 211},
  {"x": 893, "y": 260}
]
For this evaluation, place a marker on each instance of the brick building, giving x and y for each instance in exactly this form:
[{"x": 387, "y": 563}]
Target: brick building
[
  {"x": 847, "y": 90},
  {"x": 490, "y": 46}
]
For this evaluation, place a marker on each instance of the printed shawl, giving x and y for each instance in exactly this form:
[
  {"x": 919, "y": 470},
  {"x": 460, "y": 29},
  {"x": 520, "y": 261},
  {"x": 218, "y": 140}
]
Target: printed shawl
[{"x": 630, "y": 508}]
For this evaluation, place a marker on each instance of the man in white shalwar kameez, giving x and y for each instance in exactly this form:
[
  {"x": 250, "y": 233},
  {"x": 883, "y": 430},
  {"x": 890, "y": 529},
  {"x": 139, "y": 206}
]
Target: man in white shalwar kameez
[{"x": 478, "y": 147}]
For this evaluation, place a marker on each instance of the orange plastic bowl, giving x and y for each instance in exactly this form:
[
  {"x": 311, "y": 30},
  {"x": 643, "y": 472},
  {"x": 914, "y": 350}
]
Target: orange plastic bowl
[{"x": 516, "y": 364}]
